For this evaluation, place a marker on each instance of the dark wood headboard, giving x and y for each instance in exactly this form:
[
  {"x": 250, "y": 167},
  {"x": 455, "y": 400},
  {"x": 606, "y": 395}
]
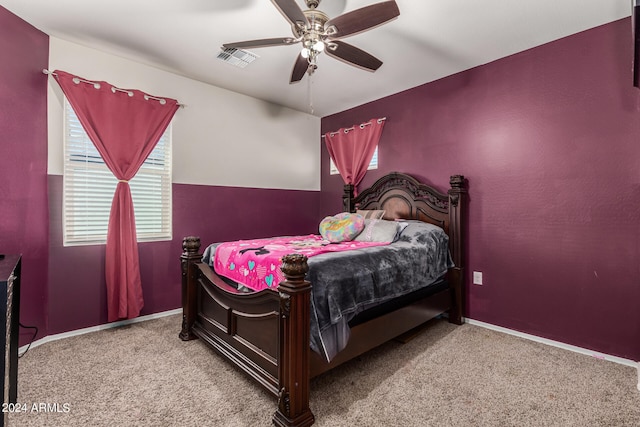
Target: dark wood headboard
[{"x": 404, "y": 197}]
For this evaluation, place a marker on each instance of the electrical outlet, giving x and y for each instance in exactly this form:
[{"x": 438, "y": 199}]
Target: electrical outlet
[{"x": 477, "y": 277}]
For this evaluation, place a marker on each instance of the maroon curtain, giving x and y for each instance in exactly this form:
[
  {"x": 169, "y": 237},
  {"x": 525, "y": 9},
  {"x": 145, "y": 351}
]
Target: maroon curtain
[
  {"x": 125, "y": 126},
  {"x": 351, "y": 149}
]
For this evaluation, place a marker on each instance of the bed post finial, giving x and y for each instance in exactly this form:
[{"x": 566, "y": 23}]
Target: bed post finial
[
  {"x": 294, "y": 267},
  {"x": 457, "y": 181},
  {"x": 347, "y": 198},
  {"x": 190, "y": 256},
  {"x": 293, "y": 349},
  {"x": 191, "y": 244}
]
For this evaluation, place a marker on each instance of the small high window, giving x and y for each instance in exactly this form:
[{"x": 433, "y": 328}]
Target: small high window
[{"x": 373, "y": 164}]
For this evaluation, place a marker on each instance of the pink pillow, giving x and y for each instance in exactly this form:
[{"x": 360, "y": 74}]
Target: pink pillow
[{"x": 342, "y": 227}]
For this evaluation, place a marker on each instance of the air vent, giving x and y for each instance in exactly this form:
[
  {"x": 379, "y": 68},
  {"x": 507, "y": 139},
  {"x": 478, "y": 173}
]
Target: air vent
[{"x": 238, "y": 57}]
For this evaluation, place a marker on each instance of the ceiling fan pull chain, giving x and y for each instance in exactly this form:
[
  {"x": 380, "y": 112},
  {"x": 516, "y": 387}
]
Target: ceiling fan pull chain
[{"x": 310, "y": 93}]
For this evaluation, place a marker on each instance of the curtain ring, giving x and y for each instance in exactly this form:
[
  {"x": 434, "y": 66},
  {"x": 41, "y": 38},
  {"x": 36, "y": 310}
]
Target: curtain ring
[
  {"x": 160, "y": 100},
  {"x": 114, "y": 89},
  {"x": 77, "y": 81}
]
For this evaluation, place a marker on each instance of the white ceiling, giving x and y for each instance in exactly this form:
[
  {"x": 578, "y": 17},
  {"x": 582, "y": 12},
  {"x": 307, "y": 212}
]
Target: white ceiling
[{"x": 430, "y": 39}]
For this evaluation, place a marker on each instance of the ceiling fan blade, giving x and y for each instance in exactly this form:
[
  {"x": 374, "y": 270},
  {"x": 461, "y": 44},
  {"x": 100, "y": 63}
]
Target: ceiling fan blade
[
  {"x": 352, "y": 55},
  {"x": 279, "y": 41},
  {"x": 362, "y": 19},
  {"x": 299, "y": 69},
  {"x": 291, "y": 11}
]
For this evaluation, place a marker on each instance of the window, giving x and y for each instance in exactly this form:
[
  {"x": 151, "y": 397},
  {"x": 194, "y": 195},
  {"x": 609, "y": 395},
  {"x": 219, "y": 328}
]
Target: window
[
  {"x": 373, "y": 164},
  {"x": 89, "y": 187}
]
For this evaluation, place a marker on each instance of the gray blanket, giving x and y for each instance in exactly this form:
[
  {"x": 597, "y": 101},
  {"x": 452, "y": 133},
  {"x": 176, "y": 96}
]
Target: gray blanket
[{"x": 347, "y": 283}]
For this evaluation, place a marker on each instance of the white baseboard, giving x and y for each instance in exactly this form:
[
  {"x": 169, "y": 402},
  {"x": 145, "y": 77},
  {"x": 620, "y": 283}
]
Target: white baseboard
[
  {"x": 119, "y": 323},
  {"x": 558, "y": 344}
]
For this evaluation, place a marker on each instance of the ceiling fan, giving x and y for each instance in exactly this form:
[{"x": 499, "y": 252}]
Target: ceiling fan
[{"x": 318, "y": 34}]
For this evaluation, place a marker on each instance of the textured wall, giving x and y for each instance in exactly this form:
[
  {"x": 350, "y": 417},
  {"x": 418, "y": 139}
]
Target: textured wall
[
  {"x": 550, "y": 141},
  {"x": 23, "y": 161}
]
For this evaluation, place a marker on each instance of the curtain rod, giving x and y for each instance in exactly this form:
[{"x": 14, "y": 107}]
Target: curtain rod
[
  {"x": 113, "y": 88},
  {"x": 362, "y": 125}
]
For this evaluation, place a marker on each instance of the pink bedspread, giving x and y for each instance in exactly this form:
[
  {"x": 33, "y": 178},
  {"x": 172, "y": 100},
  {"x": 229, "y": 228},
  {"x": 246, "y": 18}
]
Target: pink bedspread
[{"x": 256, "y": 263}]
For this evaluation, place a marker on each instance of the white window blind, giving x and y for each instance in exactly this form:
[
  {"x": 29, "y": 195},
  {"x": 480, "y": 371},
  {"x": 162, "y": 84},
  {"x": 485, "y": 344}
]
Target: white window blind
[
  {"x": 373, "y": 164},
  {"x": 89, "y": 186}
]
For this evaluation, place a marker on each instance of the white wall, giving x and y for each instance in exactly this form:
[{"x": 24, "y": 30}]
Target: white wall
[{"x": 219, "y": 138}]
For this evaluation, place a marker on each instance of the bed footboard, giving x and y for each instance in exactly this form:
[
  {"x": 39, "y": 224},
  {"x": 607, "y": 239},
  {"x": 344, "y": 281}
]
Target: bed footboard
[{"x": 265, "y": 334}]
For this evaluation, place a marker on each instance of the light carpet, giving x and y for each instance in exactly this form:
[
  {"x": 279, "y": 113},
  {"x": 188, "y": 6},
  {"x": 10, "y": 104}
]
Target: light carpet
[{"x": 143, "y": 375}]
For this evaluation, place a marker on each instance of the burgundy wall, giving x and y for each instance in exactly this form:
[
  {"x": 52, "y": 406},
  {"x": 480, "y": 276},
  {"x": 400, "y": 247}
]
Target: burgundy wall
[
  {"x": 550, "y": 142},
  {"x": 24, "y": 220},
  {"x": 78, "y": 299}
]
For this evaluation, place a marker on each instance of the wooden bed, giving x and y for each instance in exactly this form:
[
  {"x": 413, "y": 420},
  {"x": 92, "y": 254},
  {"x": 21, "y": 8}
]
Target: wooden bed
[{"x": 266, "y": 334}]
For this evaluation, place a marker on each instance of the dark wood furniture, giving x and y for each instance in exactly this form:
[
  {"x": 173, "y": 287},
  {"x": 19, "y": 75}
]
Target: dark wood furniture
[
  {"x": 266, "y": 334},
  {"x": 10, "y": 266}
]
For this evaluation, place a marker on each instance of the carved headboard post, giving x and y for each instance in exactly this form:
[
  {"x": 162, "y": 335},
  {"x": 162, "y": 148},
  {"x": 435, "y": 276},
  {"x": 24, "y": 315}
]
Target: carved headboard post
[
  {"x": 348, "y": 204},
  {"x": 457, "y": 196},
  {"x": 456, "y": 203}
]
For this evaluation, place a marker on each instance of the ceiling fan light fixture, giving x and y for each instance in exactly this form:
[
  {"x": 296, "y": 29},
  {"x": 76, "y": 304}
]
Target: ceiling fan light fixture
[{"x": 318, "y": 33}]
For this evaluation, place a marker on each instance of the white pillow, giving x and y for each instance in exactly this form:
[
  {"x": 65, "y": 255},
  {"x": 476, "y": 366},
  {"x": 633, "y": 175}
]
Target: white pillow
[{"x": 378, "y": 230}]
